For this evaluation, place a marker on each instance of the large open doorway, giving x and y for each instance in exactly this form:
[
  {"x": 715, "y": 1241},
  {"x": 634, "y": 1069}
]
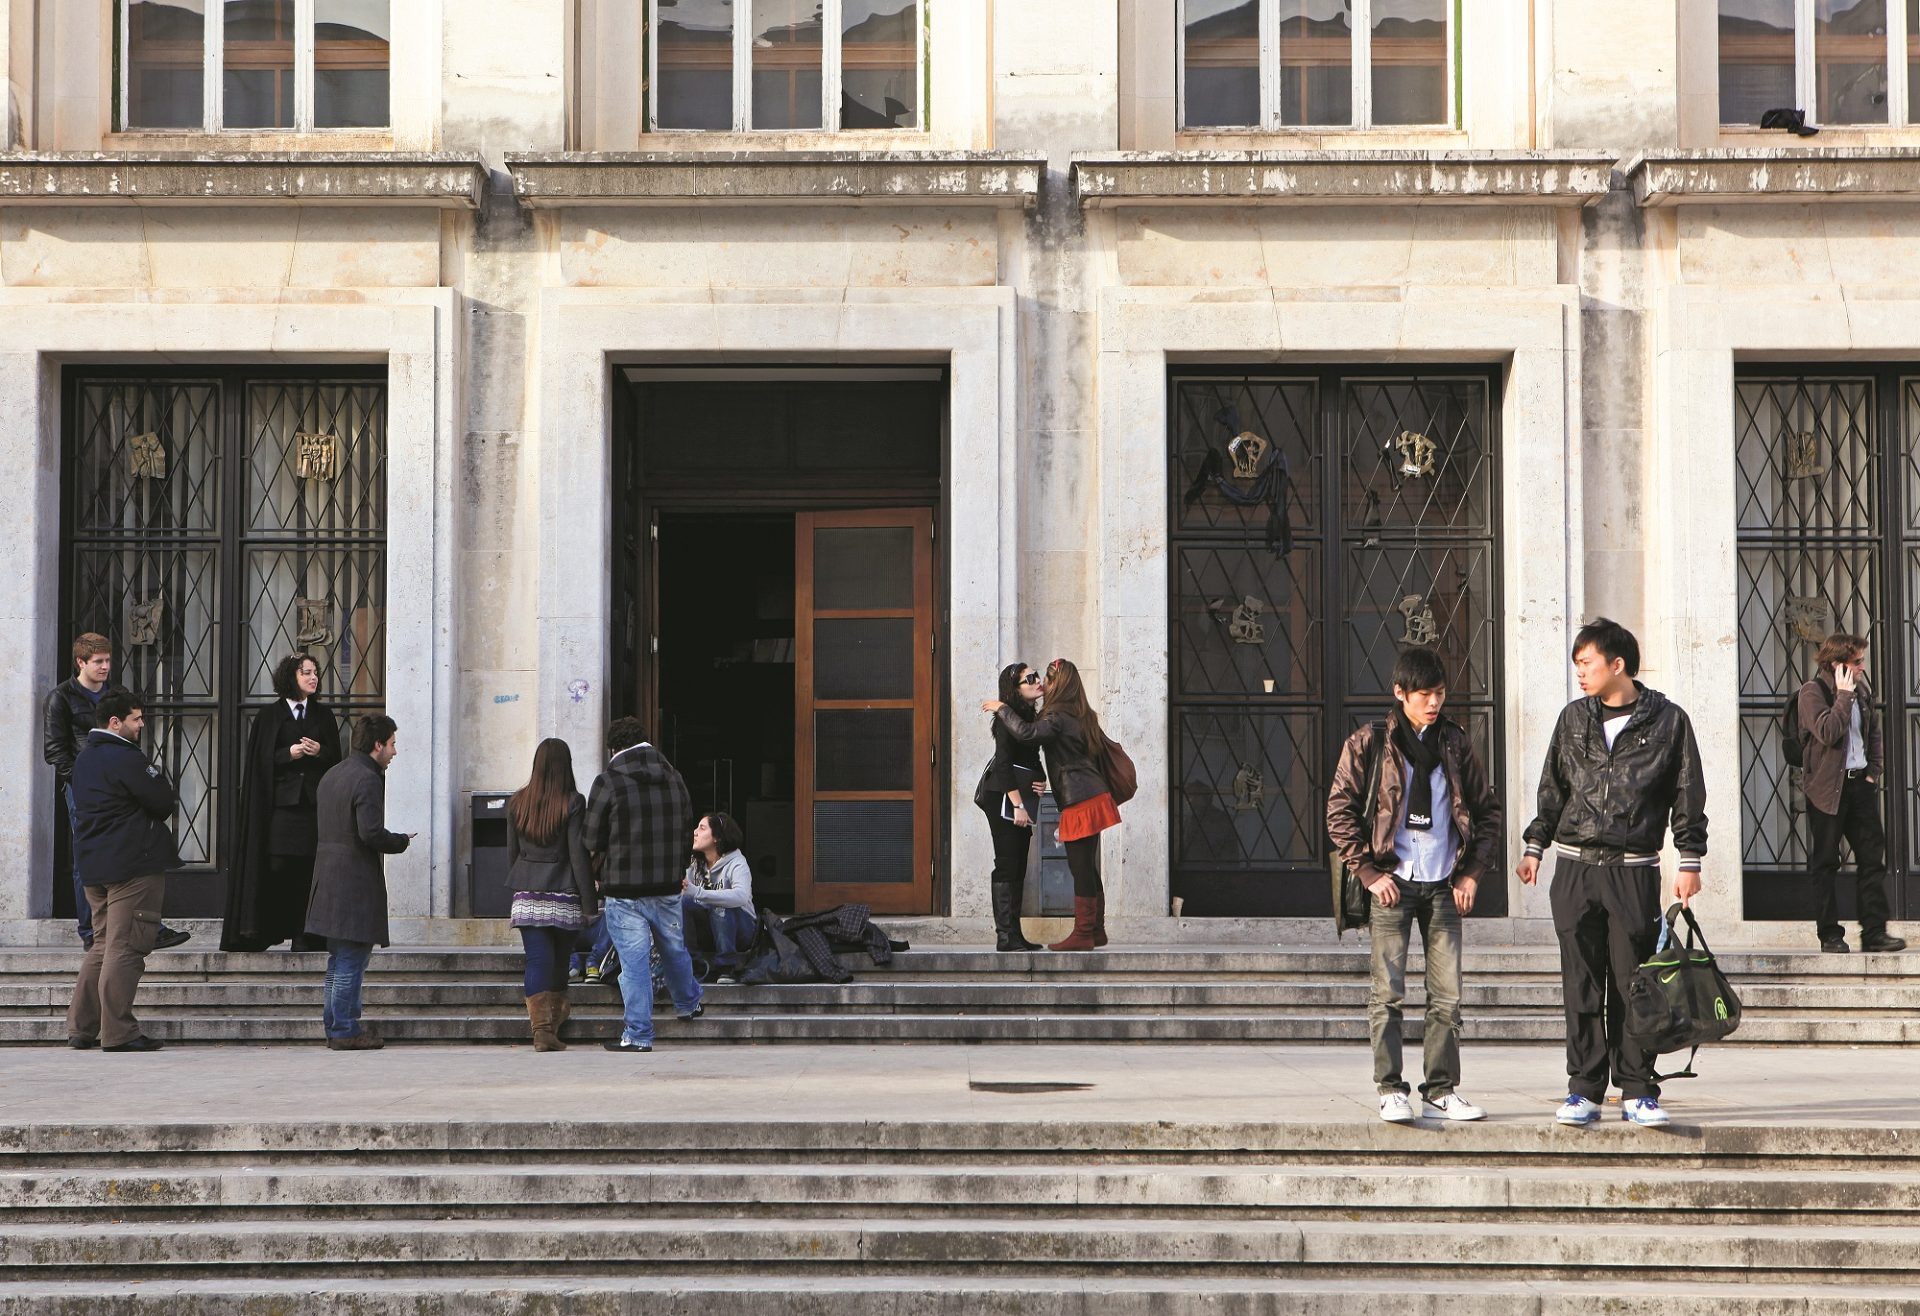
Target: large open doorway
[{"x": 778, "y": 615}]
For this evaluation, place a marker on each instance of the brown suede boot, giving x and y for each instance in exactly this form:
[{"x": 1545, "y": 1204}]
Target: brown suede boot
[
  {"x": 562, "y": 1011},
  {"x": 546, "y": 1029},
  {"x": 1084, "y": 915},
  {"x": 1099, "y": 921}
]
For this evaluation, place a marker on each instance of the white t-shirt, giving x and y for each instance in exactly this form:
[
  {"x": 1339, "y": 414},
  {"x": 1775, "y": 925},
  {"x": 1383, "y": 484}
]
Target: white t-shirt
[{"x": 1612, "y": 720}]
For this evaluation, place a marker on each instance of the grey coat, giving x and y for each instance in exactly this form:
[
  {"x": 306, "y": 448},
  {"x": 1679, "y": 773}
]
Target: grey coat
[
  {"x": 560, "y": 865},
  {"x": 349, "y": 878}
]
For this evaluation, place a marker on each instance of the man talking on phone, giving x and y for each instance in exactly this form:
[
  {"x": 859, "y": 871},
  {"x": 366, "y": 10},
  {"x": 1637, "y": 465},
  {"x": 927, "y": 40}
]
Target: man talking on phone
[{"x": 1841, "y": 768}]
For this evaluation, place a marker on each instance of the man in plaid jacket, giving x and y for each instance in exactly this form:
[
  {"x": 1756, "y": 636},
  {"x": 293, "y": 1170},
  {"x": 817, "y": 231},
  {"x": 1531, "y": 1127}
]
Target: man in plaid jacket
[{"x": 640, "y": 821}]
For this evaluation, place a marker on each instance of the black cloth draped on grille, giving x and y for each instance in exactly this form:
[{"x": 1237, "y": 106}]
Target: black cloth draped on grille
[{"x": 1268, "y": 484}]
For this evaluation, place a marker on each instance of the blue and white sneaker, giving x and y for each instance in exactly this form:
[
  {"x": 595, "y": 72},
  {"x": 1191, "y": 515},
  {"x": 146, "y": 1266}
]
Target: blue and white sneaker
[
  {"x": 1643, "y": 1110},
  {"x": 1577, "y": 1110}
]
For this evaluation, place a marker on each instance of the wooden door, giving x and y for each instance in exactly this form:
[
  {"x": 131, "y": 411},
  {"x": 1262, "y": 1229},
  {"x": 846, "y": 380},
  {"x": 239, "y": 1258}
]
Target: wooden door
[{"x": 864, "y": 699}]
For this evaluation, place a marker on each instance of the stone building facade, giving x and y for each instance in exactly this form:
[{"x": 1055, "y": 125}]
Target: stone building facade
[{"x": 539, "y": 361}]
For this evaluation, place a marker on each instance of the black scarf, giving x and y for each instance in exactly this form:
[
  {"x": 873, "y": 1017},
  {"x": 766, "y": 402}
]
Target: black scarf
[{"x": 1424, "y": 754}]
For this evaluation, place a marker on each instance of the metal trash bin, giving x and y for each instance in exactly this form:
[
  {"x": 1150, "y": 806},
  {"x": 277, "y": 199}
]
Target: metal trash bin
[
  {"x": 1049, "y": 892},
  {"x": 488, "y": 894}
]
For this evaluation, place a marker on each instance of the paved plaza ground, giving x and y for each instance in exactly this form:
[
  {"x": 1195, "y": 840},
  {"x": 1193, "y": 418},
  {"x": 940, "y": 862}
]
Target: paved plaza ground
[{"x": 1864, "y": 1086}]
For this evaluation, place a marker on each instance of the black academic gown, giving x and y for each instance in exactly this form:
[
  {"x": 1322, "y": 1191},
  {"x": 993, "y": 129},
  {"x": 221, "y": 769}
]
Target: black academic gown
[{"x": 272, "y": 873}]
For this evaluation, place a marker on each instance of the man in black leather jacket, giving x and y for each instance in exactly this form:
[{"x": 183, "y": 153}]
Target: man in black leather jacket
[
  {"x": 67, "y": 716},
  {"x": 1622, "y": 765}
]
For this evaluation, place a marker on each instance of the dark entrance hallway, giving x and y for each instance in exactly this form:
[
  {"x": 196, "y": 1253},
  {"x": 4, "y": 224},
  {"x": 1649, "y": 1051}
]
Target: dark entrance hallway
[{"x": 777, "y": 617}]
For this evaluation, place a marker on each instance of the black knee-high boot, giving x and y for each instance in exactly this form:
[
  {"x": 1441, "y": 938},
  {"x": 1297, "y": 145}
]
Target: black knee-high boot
[{"x": 1006, "y": 917}]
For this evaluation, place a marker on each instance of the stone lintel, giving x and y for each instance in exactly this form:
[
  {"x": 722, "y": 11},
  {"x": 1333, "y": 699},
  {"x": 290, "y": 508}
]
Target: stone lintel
[
  {"x": 783, "y": 178},
  {"x": 1524, "y": 178},
  {"x": 369, "y": 178},
  {"x": 1775, "y": 174}
]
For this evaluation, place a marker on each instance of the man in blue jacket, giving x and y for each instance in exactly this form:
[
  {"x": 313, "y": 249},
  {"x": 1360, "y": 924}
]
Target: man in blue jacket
[{"x": 123, "y": 845}]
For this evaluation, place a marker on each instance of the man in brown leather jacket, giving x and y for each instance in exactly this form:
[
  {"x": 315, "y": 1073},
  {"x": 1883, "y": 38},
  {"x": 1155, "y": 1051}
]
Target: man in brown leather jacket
[
  {"x": 1412, "y": 814},
  {"x": 1841, "y": 767}
]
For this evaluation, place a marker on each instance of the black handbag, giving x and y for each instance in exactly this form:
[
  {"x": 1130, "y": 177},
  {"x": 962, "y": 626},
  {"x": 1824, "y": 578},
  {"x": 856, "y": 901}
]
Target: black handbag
[
  {"x": 1352, "y": 902},
  {"x": 1679, "y": 997}
]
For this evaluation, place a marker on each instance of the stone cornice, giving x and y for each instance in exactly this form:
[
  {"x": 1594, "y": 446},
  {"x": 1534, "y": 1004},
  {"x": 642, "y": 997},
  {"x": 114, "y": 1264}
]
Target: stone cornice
[
  {"x": 371, "y": 178},
  {"x": 1775, "y": 174},
  {"x": 1524, "y": 178},
  {"x": 680, "y": 178}
]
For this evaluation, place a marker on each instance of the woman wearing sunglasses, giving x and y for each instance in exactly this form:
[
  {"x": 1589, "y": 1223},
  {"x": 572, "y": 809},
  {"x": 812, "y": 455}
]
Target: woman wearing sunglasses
[
  {"x": 1009, "y": 794},
  {"x": 1069, "y": 731}
]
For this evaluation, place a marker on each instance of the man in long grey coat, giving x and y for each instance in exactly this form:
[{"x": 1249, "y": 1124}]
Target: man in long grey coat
[{"x": 349, "y": 905}]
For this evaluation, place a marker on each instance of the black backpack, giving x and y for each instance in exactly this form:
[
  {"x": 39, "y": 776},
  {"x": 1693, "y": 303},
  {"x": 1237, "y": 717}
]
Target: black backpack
[
  {"x": 1793, "y": 737},
  {"x": 1679, "y": 997}
]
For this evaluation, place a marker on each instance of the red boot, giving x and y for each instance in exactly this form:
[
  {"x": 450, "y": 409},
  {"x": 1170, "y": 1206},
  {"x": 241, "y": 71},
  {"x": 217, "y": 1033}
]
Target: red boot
[
  {"x": 1085, "y": 920},
  {"x": 1099, "y": 921}
]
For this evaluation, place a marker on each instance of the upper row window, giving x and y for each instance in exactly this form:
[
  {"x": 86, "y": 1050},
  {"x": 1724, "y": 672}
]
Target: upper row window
[
  {"x": 1272, "y": 64},
  {"x": 1836, "y": 61},
  {"x": 794, "y": 65},
  {"x": 292, "y": 65}
]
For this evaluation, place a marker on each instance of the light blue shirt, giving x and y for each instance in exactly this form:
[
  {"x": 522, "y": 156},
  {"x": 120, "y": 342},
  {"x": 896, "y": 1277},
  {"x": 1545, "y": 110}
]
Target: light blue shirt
[
  {"x": 1426, "y": 856},
  {"x": 1856, "y": 743}
]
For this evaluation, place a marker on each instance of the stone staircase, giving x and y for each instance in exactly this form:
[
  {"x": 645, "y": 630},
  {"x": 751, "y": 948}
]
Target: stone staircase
[
  {"x": 1315, "y": 994},
  {"x": 1036, "y": 1215}
]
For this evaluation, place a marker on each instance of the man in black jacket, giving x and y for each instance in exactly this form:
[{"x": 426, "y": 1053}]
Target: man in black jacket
[
  {"x": 1623, "y": 762},
  {"x": 124, "y": 843},
  {"x": 67, "y": 716},
  {"x": 640, "y": 820}
]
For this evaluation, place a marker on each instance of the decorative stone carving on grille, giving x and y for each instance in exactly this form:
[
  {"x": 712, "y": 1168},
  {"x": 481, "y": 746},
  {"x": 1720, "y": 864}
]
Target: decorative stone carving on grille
[
  {"x": 143, "y": 621},
  {"x": 1417, "y": 453},
  {"x": 1422, "y": 626},
  {"x": 1804, "y": 459},
  {"x": 1808, "y": 620},
  {"x": 147, "y": 456},
  {"x": 316, "y": 456},
  {"x": 310, "y": 623},
  {"x": 1245, "y": 627},
  {"x": 1249, "y": 453},
  {"x": 1249, "y": 789}
]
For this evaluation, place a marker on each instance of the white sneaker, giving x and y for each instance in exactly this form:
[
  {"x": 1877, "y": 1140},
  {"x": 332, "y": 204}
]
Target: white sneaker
[
  {"x": 1643, "y": 1111},
  {"x": 1577, "y": 1110},
  {"x": 1453, "y": 1106},
  {"x": 1395, "y": 1108}
]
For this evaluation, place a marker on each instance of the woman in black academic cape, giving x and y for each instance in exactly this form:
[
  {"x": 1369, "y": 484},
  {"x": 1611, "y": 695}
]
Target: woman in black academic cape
[{"x": 294, "y": 740}]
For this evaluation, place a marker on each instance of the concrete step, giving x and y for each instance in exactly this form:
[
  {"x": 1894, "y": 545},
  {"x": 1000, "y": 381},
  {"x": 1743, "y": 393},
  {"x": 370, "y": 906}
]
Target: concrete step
[
  {"x": 613, "y": 1243},
  {"x": 1033, "y": 1293},
  {"x": 453, "y": 995},
  {"x": 594, "y": 1022},
  {"x": 582, "y": 1188}
]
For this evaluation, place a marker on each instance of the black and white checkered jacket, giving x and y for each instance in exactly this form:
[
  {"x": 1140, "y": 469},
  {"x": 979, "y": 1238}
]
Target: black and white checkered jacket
[{"x": 639, "y": 816}]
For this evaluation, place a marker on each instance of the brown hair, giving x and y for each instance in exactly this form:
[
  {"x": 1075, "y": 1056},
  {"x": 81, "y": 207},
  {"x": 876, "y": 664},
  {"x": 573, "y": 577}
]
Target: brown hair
[
  {"x": 1067, "y": 694},
  {"x": 538, "y": 810},
  {"x": 87, "y": 644},
  {"x": 1839, "y": 647}
]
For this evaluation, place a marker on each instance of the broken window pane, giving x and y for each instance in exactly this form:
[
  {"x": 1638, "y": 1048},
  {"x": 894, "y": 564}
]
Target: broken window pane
[
  {"x": 786, "y": 64},
  {"x": 1410, "y": 61},
  {"x": 695, "y": 64},
  {"x": 1222, "y": 68},
  {"x": 879, "y": 64},
  {"x": 166, "y": 63},
  {"x": 1850, "y": 61},
  {"x": 1756, "y": 59},
  {"x": 1316, "y": 62}
]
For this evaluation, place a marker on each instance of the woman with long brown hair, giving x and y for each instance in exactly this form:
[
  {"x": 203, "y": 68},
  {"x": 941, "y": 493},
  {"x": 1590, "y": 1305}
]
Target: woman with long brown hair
[
  {"x": 1076, "y": 748},
  {"x": 552, "y": 883}
]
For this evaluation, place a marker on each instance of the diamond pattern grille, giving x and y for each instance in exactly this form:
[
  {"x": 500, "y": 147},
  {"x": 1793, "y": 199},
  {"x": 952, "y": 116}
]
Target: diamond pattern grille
[
  {"x": 1268, "y": 692},
  {"x": 1815, "y": 556},
  {"x": 195, "y": 545}
]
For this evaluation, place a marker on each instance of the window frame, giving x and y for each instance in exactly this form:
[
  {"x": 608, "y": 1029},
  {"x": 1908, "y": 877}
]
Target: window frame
[
  {"x": 1806, "y": 71},
  {"x": 832, "y": 20},
  {"x": 1361, "y": 72},
  {"x": 213, "y": 80}
]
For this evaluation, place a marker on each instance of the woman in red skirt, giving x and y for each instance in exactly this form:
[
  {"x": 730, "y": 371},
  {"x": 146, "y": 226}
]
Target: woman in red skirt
[{"x": 1069, "y": 731}]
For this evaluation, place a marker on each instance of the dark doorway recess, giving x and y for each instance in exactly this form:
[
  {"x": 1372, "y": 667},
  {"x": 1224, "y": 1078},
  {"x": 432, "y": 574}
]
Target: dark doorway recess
[
  {"x": 778, "y": 619},
  {"x": 1828, "y": 500},
  {"x": 206, "y": 541},
  {"x": 1283, "y": 639}
]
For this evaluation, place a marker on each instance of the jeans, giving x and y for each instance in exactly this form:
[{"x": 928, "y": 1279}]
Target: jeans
[
  {"x": 346, "y": 969},
  {"x": 633, "y": 925},
  {"x": 732, "y": 929},
  {"x": 1859, "y": 821},
  {"x": 547, "y": 952},
  {"x": 1430, "y": 905},
  {"x": 83, "y": 909}
]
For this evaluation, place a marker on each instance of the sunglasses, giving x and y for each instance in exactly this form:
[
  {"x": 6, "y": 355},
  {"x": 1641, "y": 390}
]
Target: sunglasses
[{"x": 1031, "y": 678}]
